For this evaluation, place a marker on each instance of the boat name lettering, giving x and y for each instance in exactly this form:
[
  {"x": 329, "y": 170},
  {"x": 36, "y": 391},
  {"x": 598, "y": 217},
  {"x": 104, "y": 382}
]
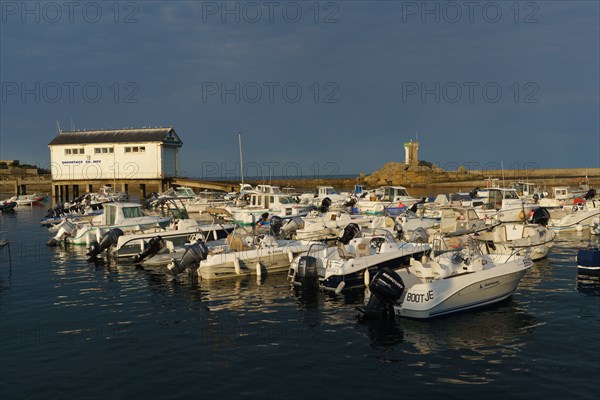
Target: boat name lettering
[
  {"x": 419, "y": 297},
  {"x": 488, "y": 284}
]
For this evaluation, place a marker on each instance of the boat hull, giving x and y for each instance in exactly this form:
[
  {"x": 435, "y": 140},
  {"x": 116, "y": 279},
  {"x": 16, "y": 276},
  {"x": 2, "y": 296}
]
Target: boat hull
[
  {"x": 271, "y": 260},
  {"x": 463, "y": 292}
]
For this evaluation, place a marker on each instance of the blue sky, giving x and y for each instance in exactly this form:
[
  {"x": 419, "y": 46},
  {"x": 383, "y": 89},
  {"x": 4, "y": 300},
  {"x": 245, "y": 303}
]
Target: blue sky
[{"x": 323, "y": 87}]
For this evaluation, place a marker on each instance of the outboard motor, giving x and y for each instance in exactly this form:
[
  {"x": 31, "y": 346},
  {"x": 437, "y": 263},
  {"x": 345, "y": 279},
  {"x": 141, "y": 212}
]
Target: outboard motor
[
  {"x": 350, "y": 203},
  {"x": 590, "y": 194},
  {"x": 108, "y": 240},
  {"x": 541, "y": 216},
  {"x": 292, "y": 225},
  {"x": 276, "y": 223},
  {"x": 307, "y": 273},
  {"x": 154, "y": 245},
  {"x": 350, "y": 232},
  {"x": 325, "y": 204},
  {"x": 386, "y": 289},
  {"x": 190, "y": 259},
  {"x": 473, "y": 193},
  {"x": 65, "y": 229},
  {"x": 419, "y": 235}
]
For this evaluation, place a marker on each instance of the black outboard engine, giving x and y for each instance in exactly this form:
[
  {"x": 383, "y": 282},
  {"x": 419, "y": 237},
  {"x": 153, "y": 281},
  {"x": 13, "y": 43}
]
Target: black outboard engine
[
  {"x": 307, "y": 273},
  {"x": 325, "y": 204},
  {"x": 108, "y": 240},
  {"x": 350, "y": 203},
  {"x": 419, "y": 235},
  {"x": 541, "y": 216},
  {"x": 386, "y": 289},
  {"x": 473, "y": 193},
  {"x": 190, "y": 259},
  {"x": 350, "y": 232},
  {"x": 155, "y": 245},
  {"x": 590, "y": 194},
  {"x": 276, "y": 223}
]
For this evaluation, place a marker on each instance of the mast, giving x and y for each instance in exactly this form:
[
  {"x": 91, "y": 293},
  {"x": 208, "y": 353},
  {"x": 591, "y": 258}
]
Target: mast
[{"x": 241, "y": 160}]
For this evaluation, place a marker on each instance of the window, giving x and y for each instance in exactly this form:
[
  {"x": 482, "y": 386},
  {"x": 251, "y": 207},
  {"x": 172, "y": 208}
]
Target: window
[
  {"x": 97, "y": 150},
  {"x": 127, "y": 149},
  {"x": 142, "y": 149},
  {"x": 67, "y": 151},
  {"x": 111, "y": 150},
  {"x": 132, "y": 212}
]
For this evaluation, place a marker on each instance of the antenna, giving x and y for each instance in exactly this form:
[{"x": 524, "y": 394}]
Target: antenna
[
  {"x": 58, "y": 127},
  {"x": 241, "y": 160},
  {"x": 72, "y": 124},
  {"x": 417, "y": 136}
]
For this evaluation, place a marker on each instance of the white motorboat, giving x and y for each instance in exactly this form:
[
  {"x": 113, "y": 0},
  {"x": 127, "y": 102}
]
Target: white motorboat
[
  {"x": 508, "y": 238},
  {"x": 582, "y": 216},
  {"x": 108, "y": 194},
  {"x": 242, "y": 253},
  {"x": 503, "y": 205},
  {"x": 128, "y": 217},
  {"x": 26, "y": 199},
  {"x": 265, "y": 205},
  {"x": 449, "y": 283},
  {"x": 204, "y": 200},
  {"x": 179, "y": 232},
  {"x": 358, "y": 251},
  {"x": 326, "y": 226},
  {"x": 395, "y": 200}
]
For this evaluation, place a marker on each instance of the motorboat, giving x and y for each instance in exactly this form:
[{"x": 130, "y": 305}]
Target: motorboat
[
  {"x": 395, "y": 200},
  {"x": 358, "y": 252},
  {"x": 178, "y": 233},
  {"x": 588, "y": 260},
  {"x": 457, "y": 225},
  {"x": 81, "y": 208},
  {"x": 448, "y": 283},
  {"x": 244, "y": 252},
  {"x": 108, "y": 194},
  {"x": 26, "y": 199},
  {"x": 128, "y": 217},
  {"x": 7, "y": 205},
  {"x": 582, "y": 216},
  {"x": 206, "y": 199},
  {"x": 317, "y": 226},
  {"x": 521, "y": 238},
  {"x": 265, "y": 205},
  {"x": 503, "y": 205}
]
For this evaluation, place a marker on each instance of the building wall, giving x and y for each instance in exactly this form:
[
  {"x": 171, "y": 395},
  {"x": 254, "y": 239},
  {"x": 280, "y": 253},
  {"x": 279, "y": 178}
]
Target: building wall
[
  {"x": 86, "y": 163},
  {"x": 170, "y": 161}
]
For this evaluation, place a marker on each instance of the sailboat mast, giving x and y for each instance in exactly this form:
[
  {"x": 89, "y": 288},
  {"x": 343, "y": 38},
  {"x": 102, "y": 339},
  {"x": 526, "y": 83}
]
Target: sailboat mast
[{"x": 241, "y": 160}]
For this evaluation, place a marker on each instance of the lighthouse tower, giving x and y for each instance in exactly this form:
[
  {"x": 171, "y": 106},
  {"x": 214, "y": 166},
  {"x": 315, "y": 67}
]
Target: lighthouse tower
[{"x": 411, "y": 150}]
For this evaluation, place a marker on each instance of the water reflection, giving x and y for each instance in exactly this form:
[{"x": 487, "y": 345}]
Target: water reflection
[
  {"x": 588, "y": 284},
  {"x": 499, "y": 329}
]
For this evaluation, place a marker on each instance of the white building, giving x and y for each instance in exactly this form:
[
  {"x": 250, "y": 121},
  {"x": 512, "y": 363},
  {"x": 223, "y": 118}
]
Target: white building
[{"x": 144, "y": 156}]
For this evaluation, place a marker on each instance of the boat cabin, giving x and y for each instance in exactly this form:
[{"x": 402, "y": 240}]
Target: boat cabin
[
  {"x": 394, "y": 193},
  {"x": 265, "y": 200},
  {"x": 268, "y": 189},
  {"x": 497, "y": 198},
  {"x": 525, "y": 188},
  {"x": 124, "y": 213},
  {"x": 324, "y": 191},
  {"x": 456, "y": 220}
]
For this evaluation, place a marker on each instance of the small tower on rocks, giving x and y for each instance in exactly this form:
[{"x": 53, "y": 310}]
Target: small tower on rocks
[{"x": 411, "y": 150}]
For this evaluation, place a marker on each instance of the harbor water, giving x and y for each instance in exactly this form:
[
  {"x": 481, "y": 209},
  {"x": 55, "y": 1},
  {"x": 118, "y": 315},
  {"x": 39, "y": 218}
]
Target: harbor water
[{"x": 70, "y": 329}]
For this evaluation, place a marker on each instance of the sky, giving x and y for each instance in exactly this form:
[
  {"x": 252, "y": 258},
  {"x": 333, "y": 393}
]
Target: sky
[{"x": 315, "y": 87}]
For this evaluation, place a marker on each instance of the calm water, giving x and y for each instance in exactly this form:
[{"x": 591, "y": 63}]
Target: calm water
[{"x": 75, "y": 330}]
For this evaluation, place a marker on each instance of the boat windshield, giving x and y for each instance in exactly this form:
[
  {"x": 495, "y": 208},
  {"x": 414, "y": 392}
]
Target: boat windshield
[
  {"x": 511, "y": 194},
  {"x": 286, "y": 200},
  {"x": 132, "y": 212},
  {"x": 330, "y": 191},
  {"x": 370, "y": 232}
]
